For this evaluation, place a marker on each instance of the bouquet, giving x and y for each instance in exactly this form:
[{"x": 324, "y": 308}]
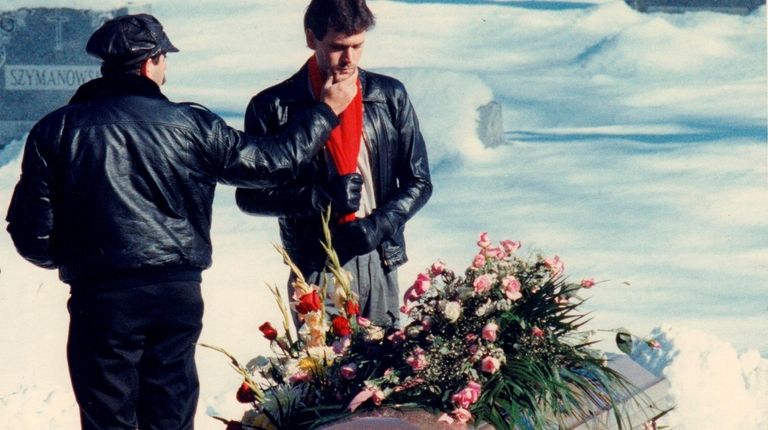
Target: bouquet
[{"x": 498, "y": 343}]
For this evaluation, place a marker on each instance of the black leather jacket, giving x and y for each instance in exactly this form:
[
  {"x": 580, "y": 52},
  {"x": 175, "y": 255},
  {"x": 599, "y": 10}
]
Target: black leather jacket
[
  {"x": 401, "y": 178},
  {"x": 120, "y": 182}
]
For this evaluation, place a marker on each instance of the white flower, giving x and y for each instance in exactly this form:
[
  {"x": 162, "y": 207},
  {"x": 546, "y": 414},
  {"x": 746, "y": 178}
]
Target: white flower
[
  {"x": 452, "y": 310},
  {"x": 484, "y": 309}
]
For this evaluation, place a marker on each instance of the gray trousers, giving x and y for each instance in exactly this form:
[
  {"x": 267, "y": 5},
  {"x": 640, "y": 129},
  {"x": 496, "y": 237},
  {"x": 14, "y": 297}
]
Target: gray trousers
[{"x": 377, "y": 289}]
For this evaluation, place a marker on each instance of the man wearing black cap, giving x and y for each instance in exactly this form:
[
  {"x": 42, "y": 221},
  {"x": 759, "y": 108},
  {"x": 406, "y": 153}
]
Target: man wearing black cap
[{"x": 116, "y": 192}]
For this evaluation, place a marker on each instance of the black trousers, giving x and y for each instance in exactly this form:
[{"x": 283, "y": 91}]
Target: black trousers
[{"x": 131, "y": 356}]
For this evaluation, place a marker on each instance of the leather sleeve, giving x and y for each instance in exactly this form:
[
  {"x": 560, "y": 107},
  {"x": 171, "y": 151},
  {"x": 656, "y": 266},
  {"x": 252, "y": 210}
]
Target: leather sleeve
[
  {"x": 412, "y": 166},
  {"x": 30, "y": 215},
  {"x": 271, "y": 159},
  {"x": 292, "y": 199}
]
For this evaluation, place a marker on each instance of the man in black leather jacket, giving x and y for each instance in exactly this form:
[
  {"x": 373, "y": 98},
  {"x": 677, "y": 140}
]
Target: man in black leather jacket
[
  {"x": 391, "y": 181},
  {"x": 116, "y": 192}
]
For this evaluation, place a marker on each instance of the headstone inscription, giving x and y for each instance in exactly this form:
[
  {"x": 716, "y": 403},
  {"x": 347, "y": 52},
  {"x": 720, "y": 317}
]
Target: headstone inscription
[{"x": 43, "y": 61}]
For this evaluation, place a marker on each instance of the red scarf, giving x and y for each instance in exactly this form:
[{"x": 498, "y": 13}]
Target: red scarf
[{"x": 344, "y": 143}]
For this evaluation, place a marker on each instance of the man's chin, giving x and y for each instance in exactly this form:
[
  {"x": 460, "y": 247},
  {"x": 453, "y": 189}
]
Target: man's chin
[{"x": 340, "y": 76}]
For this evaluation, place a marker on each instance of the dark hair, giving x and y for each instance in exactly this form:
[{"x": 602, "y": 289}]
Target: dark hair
[
  {"x": 343, "y": 16},
  {"x": 112, "y": 69}
]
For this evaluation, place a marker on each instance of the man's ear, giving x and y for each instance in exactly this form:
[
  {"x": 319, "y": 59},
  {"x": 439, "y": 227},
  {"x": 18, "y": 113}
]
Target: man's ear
[
  {"x": 144, "y": 70},
  {"x": 310, "y": 35}
]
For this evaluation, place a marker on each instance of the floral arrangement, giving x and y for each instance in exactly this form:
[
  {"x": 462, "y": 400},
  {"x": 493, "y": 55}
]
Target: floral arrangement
[{"x": 499, "y": 343}]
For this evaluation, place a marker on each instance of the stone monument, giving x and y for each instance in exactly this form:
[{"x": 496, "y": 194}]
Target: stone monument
[{"x": 43, "y": 61}]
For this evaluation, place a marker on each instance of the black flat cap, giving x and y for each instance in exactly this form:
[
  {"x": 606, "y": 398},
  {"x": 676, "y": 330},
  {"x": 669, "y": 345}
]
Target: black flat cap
[{"x": 128, "y": 40}]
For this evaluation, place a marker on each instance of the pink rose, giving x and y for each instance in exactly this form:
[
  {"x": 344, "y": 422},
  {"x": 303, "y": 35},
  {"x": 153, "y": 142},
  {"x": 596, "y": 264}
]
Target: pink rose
[
  {"x": 478, "y": 261},
  {"x": 588, "y": 283},
  {"x": 462, "y": 415},
  {"x": 418, "y": 360},
  {"x": 437, "y": 269},
  {"x": 484, "y": 242},
  {"x": 489, "y": 331},
  {"x": 467, "y": 396},
  {"x": 537, "y": 332},
  {"x": 511, "y": 287},
  {"x": 490, "y": 365},
  {"x": 555, "y": 265},
  {"x": 495, "y": 252},
  {"x": 349, "y": 371},
  {"x": 510, "y": 246},
  {"x": 483, "y": 283},
  {"x": 422, "y": 284},
  {"x": 419, "y": 287}
]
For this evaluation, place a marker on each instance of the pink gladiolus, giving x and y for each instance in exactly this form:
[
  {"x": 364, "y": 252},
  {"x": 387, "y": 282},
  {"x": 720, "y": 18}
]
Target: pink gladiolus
[
  {"x": 510, "y": 246},
  {"x": 349, "y": 371},
  {"x": 300, "y": 376},
  {"x": 404, "y": 309},
  {"x": 483, "y": 242},
  {"x": 537, "y": 332},
  {"x": 489, "y": 331},
  {"x": 462, "y": 415},
  {"x": 511, "y": 287},
  {"x": 490, "y": 365},
  {"x": 588, "y": 283},
  {"x": 437, "y": 269},
  {"x": 555, "y": 265},
  {"x": 478, "y": 261},
  {"x": 363, "y": 322},
  {"x": 483, "y": 283}
]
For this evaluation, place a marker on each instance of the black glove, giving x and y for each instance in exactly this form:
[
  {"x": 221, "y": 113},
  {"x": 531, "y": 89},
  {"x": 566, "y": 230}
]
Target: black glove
[
  {"x": 360, "y": 236},
  {"x": 342, "y": 192}
]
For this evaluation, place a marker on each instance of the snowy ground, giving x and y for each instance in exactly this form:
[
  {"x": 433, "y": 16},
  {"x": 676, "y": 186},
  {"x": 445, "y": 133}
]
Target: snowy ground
[{"x": 637, "y": 153}]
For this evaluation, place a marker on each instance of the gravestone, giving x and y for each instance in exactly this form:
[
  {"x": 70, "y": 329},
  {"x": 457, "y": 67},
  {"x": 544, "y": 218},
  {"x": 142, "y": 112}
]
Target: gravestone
[{"x": 43, "y": 61}]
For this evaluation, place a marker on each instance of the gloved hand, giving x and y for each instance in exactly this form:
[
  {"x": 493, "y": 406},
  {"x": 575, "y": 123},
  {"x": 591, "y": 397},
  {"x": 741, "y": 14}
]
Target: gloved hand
[
  {"x": 342, "y": 192},
  {"x": 360, "y": 236}
]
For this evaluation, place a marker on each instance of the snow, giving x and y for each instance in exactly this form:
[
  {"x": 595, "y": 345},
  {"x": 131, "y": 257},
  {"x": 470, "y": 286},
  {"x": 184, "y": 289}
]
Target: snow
[{"x": 637, "y": 153}]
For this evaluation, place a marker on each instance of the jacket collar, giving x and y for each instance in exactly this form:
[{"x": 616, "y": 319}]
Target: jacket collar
[
  {"x": 299, "y": 87},
  {"x": 117, "y": 86}
]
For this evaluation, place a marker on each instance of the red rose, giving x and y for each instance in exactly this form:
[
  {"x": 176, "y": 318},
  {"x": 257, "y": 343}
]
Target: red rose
[
  {"x": 245, "y": 394},
  {"x": 352, "y": 307},
  {"x": 308, "y": 303},
  {"x": 269, "y": 331},
  {"x": 341, "y": 326}
]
